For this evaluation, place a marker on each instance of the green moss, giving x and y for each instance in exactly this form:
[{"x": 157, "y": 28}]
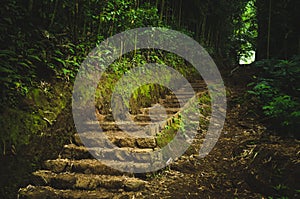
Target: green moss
[
  {"x": 166, "y": 136},
  {"x": 204, "y": 108},
  {"x": 37, "y": 112}
]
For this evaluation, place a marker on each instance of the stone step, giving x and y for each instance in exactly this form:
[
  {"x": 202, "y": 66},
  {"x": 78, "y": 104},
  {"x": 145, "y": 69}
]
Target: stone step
[
  {"x": 153, "y": 118},
  {"x": 140, "y": 119},
  {"x": 42, "y": 192},
  {"x": 167, "y": 104},
  {"x": 185, "y": 97},
  {"x": 118, "y": 138},
  {"x": 107, "y": 119},
  {"x": 113, "y": 126},
  {"x": 183, "y": 92},
  {"x": 92, "y": 139},
  {"x": 173, "y": 100},
  {"x": 81, "y": 181},
  {"x": 180, "y": 97},
  {"x": 199, "y": 88},
  {"x": 169, "y": 111},
  {"x": 197, "y": 85},
  {"x": 116, "y": 126},
  {"x": 93, "y": 166},
  {"x": 72, "y": 151},
  {"x": 122, "y": 139}
]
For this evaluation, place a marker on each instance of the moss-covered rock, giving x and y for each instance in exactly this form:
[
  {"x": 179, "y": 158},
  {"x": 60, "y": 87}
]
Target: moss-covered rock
[{"x": 36, "y": 112}]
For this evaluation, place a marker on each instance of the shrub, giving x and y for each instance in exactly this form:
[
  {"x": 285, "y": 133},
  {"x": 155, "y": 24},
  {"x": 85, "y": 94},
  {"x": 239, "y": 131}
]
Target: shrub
[{"x": 277, "y": 89}]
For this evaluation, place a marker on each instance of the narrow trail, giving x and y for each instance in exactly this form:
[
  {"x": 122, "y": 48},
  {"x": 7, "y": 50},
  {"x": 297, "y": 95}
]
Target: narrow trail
[
  {"x": 243, "y": 163},
  {"x": 218, "y": 175}
]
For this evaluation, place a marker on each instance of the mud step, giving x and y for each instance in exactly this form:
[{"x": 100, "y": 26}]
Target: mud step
[
  {"x": 72, "y": 151},
  {"x": 89, "y": 166},
  {"x": 86, "y": 181},
  {"x": 118, "y": 138},
  {"x": 42, "y": 192}
]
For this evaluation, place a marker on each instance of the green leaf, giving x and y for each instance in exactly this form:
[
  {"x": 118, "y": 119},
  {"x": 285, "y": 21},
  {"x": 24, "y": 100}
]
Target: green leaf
[
  {"x": 63, "y": 62},
  {"x": 296, "y": 114},
  {"x": 7, "y": 53},
  {"x": 35, "y": 57},
  {"x": 6, "y": 70},
  {"x": 58, "y": 52},
  {"x": 24, "y": 64},
  {"x": 65, "y": 71}
]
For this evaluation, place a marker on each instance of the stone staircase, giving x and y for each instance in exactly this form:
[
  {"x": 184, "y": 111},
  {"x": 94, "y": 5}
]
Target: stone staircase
[{"x": 76, "y": 173}]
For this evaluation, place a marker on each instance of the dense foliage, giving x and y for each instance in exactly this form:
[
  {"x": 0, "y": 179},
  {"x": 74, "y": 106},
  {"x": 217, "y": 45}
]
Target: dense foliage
[
  {"x": 278, "y": 90},
  {"x": 40, "y": 45},
  {"x": 43, "y": 42}
]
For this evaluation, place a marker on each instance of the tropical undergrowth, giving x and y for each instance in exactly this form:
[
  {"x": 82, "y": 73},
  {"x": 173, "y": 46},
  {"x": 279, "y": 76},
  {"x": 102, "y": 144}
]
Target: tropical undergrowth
[
  {"x": 41, "y": 46},
  {"x": 131, "y": 65},
  {"x": 277, "y": 90}
]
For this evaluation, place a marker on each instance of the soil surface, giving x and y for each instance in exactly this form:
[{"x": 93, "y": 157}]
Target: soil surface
[{"x": 247, "y": 162}]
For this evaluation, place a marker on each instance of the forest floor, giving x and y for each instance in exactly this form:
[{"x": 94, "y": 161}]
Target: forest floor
[{"x": 247, "y": 161}]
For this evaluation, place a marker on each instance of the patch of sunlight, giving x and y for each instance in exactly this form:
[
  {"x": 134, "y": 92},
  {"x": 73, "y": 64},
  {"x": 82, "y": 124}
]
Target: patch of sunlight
[{"x": 248, "y": 60}]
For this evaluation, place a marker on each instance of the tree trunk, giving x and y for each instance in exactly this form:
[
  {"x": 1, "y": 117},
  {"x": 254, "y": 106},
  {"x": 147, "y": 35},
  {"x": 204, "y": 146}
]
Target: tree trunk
[{"x": 278, "y": 34}]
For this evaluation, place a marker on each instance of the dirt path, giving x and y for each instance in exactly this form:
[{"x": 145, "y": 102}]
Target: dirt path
[
  {"x": 245, "y": 163},
  {"x": 242, "y": 164},
  {"x": 217, "y": 175}
]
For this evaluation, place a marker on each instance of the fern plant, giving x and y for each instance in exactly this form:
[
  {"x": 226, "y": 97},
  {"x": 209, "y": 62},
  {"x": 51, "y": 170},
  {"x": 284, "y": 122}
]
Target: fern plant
[{"x": 277, "y": 90}]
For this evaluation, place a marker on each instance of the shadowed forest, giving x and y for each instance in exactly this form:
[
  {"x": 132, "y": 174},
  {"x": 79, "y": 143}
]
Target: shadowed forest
[{"x": 254, "y": 43}]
